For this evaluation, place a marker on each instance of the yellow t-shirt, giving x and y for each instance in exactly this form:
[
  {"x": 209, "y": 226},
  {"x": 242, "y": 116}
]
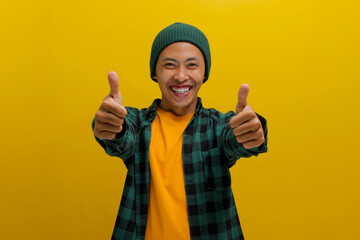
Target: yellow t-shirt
[{"x": 167, "y": 212}]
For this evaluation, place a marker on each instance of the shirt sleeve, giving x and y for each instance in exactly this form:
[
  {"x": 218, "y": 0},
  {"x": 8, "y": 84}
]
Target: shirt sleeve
[
  {"x": 123, "y": 144},
  {"x": 234, "y": 150}
]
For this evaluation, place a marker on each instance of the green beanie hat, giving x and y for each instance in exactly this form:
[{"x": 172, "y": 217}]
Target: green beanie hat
[{"x": 180, "y": 32}]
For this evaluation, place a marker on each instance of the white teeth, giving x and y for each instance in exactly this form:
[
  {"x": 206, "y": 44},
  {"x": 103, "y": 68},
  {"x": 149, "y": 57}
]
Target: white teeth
[{"x": 180, "y": 90}]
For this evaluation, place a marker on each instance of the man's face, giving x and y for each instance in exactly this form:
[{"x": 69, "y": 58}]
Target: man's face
[{"x": 180, "y": 72}]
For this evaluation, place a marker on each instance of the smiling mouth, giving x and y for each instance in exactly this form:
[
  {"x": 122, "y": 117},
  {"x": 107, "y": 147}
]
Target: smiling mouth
[{"x": 180, "y": 90}]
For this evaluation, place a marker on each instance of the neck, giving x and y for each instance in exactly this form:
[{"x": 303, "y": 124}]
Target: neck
[{"x": 179, "y": 111}]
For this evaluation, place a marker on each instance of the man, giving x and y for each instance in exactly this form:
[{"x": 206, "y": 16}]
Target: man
[{"x": 177, "y": 153}]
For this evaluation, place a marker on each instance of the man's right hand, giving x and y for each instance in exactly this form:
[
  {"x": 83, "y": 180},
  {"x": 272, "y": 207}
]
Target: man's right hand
[{"x": 110, "y": 116}]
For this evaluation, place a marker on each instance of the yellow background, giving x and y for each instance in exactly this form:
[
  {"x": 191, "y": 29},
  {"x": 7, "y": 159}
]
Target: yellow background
[{"x": 300, "y": 58}]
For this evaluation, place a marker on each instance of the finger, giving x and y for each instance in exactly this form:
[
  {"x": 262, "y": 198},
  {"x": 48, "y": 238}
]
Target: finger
[
  {"x": 107, "y": 117},
  {"x": 114, "y": 87},
  {"x": 109, "y": 105},
  {"x": 249, "y": 136},
  {"x": 241, "y": 118},
  {"x": 242, "y": 96},
  {"x": 100, "y": 127},
  {"x": 249, "y": 126},
  {"x": 105, "y": 135},
  {"x": 252, "y": 143}
]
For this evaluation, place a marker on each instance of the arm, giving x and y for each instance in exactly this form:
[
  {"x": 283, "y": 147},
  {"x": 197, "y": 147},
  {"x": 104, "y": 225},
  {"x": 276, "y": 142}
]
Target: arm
[
  {"x": 112, "y": 127},
  {"x": 123, "y": 144},
  {"x": 109, "y": 118},
  {"x": 245, "y": 134}
]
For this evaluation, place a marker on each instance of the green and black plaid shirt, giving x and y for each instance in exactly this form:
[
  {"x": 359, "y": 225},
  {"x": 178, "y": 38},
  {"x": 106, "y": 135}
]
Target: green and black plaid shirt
[{"x": 209, "y": 150}]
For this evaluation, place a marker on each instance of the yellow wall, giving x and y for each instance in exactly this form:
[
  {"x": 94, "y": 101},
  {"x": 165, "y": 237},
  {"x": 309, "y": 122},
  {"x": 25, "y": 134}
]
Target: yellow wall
[{"x": 301, "y": 59}]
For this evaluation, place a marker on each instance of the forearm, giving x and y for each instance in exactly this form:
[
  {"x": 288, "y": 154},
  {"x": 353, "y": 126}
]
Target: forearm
[
  {"x": 122, "y": 145},
  {"x": 235, "y": 150}
]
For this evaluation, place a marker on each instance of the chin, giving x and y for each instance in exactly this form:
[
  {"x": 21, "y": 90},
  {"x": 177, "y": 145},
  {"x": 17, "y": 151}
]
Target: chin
[{"x": 184, "y": 104}]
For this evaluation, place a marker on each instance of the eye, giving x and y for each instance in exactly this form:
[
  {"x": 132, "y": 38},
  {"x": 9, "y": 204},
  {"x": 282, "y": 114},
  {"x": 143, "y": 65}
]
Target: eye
[
  {"x": 192, "y": 65},
  {"x": 169, "y": 64}
]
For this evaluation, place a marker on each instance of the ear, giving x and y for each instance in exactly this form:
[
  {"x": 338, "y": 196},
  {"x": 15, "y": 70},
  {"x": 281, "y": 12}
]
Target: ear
[{"x": 154, "y": 77}]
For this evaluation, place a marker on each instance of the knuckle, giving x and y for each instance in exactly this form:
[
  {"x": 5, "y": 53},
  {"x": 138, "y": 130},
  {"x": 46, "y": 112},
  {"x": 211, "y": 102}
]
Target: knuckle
[
  {"x": 96, "y": 133},
  {"x": 234, "y": 122},
  {"x": 96, "y": 128},
  {"x": 251, "y": 114},
  {"x": 234, "y": 131},
  {"x": 255, "y": 125},
  {"x": 99, "y": 115},
  {"x": 258, "y": 135},
  {"x": 118, "y": 129},
  {"x": 106, "y": 103},
  {"x": 258, "y": 123},
  {"x": 260, "y": 130},
  {"x": 124, "y": 111},
  {"x": 231, "y": 123}
]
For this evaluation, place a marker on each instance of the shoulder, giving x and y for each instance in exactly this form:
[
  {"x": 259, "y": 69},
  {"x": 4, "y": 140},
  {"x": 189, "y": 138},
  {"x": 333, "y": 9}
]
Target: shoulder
[
  {"x": 132, "y": 112},
  {"x": 144, "y": 115},
  {"x": 215, "y": 115}
]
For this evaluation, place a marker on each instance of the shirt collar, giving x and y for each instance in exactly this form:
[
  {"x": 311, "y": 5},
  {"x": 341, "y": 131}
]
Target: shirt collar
[{"x": 150, "y": 113}]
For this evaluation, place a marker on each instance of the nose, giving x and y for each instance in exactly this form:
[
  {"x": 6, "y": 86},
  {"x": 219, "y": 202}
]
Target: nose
[{"x": 181, "y": 73}]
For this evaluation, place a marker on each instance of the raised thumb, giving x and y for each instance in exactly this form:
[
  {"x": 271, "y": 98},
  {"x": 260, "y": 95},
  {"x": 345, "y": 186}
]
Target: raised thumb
[
  {"x": 242, "y": 96},
  {"x": 114, "y": 87}
]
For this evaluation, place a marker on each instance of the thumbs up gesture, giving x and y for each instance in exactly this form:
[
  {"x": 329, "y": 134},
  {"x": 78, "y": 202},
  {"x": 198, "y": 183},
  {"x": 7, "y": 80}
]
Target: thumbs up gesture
[
  {"x": 110, "y": 116},
  {"x": 246, "y": 125}
]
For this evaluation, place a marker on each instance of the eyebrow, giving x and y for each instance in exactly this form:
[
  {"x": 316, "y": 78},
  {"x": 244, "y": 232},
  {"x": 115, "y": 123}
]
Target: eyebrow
[{"x": 174, "y": 60}]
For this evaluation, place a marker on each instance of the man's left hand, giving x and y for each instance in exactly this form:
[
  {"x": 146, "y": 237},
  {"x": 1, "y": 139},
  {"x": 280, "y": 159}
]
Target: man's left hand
[{"x": 246, "y": 125}]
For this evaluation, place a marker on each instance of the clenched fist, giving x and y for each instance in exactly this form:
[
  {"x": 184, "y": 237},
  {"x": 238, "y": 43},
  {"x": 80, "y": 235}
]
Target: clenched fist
[
  {"x": 110, "y": 116},
  {"x": 246, "y": 125}
]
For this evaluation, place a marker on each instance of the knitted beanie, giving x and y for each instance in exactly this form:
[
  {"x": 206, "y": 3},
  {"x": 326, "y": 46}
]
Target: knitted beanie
[{"x": 180, "y": 32}]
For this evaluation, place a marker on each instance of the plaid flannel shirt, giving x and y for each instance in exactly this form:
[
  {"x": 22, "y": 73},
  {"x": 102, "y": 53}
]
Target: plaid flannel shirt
[{"x": 209, "y": 150}]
